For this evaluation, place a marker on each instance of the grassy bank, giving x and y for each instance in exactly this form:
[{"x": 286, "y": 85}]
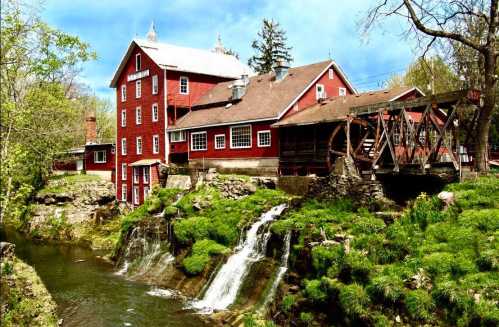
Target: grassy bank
[
  {"x": 24, "y": 300},
  {"x": 433, "y": 265}
]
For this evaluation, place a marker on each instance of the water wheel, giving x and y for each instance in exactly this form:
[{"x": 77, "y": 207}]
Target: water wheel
[{"x": 362, "y": 137}]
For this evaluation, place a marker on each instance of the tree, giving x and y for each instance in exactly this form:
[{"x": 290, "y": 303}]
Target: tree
[
  {"x": 231, "y": 52},
  {"x": 270, "y": 48},
  {"x": 454, "y": 23},
  {"x": 38, "y": 65}
]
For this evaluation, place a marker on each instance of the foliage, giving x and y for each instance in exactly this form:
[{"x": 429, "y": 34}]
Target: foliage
[
  {"x": 288, "y": 301},
  {"x": 200, "y": 256},
  {"x": 270, "y": 48},
  {"x": 306, "y": 317},
  {"x": 354, "y": 300},
  {"x": 419, "y": 304}
]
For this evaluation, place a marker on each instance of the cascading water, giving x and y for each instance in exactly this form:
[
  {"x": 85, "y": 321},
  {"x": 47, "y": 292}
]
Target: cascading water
[
  {"x": 281, "y": 271},
  {"x": 223, "y": 290}
]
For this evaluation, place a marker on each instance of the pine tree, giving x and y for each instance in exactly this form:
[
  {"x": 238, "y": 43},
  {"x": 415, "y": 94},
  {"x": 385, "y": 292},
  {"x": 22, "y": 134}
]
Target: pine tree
[{"x": 270, "y": 48}]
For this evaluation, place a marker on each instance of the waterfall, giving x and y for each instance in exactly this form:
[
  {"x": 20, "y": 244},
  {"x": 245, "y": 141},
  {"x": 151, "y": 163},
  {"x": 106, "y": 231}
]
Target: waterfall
[
  {"x": 223, "y": 290},
  {"x": 281, "y": 271}
]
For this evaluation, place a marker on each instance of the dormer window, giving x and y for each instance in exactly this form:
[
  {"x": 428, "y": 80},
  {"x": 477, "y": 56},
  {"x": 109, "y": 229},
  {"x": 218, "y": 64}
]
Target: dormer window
[
  {"x": 138, "y": 62},
  {"x": 184, "y": 85}
]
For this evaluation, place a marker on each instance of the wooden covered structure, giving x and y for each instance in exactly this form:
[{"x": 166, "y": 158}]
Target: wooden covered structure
[{"x": 410, "y": 136}]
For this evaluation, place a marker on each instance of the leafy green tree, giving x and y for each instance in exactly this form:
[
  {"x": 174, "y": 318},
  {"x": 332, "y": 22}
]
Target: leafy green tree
[
  {"x": 270, "y": 47},
  {"x": 38, "y": 66}
]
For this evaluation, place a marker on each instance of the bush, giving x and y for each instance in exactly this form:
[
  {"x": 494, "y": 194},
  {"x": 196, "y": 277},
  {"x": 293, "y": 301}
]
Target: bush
[
  {"x": 419, "y": 304},
  {"x": 356, "y": 267},
  {"x": 326, "y": 257},
  {"x": 487, "y": 261},
  {"x": 314, "y": 291},
  {"x": 438, "y": 263},
  {"x": 200, "y": 256},
  {"x": 368, "y": 225},
  {"x": 354, "y": 300},
  {"x": 288, "y": 301},
  {"x": 485, "y": 220},
  {"x": 424, "y": 210},
  {"x": 306, "y": 317},
  {"x": 386, "y": 289},
  {"x": 195, "y": 264}
]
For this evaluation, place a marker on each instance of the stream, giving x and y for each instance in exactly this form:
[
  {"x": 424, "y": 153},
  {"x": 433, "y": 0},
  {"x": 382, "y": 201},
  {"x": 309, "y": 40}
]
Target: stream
[{"x": 88, "y": 292}]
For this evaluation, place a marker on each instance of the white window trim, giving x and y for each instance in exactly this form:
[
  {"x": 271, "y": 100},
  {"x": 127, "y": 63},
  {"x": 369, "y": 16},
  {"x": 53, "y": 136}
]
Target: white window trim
[
  {"x": 138, "y": 90},
  {"x": 340, "y": 89},
  {"x": 136, "y": 195},
  {"x": 192, "y": 138},
  {"x": 176, "y": 141},
  {"x": 137, "y": 139},
  {"x": 155, "y": 86},
  {"x": 251, "y": 137},
  {"x": 123, "y": 148},
  {"x": 124, "y": 171},
  {"x": 215, "y": 141},
  {"x": 317, "y": 95},
  {"x": 123, "y": 118},
  {"x": 258, "y": 138},
  {"x": 96, "y": 156},
  {"x": 123, "y": 93},
  {"x": 146, "y": 194},
  {"x": 154, "y": 150},
  {"x": 138, "y": 56},
  {"x": 330, "y": 73},
  {"x": 144, "y": 180},
  {"x": 157, "y": 112},
  {"x": 138, "y": 116},
  {"x": 123, "y": 192},
  {"x": 136, "y": 175},
  {"x": 180, "y": 85}
]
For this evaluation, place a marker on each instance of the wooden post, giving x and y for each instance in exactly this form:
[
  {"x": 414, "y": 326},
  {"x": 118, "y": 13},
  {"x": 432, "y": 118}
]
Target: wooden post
[{"x": 348, "y": 138}]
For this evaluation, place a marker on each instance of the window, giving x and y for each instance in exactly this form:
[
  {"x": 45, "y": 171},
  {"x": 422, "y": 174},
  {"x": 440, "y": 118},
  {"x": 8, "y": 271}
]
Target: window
[
  {"x": 184, "y": 85},
  {"x": 331, "y": 73},
  {"x": 263, "y": 139},
  {"x": 146, "y": 192},
  {"x": 136, "y": 175},
  {"x": 342, "y": 92},
  {"x": 138, "y": 89},
  {"x": 123, "y": 172},
  {"x": 177, "y": 136},
  {"x": 220, "y": 141},
  {"x": 240, "y": 137},
  {"x": 155, "y": 112},
  {"x": 138, "y": 116},
  {"x": 155, "y": 144},
  {"x": 138, "y": 145},
  {"x": 123, "y": 93},
  {"x": 155, "y": 84},
  {"x": 145, "y": 172},
  {"x": 320, "y": 92},
  {"x": 198, "y": 141},
  {"x": 136, "y": 198},
  {"x": 123, "y": 193},
  {"x": 99, "y": 156},
  {"x": 123, "y": 118},
  {"x": 138, "y": 62},
  {"x": 123, "y": 147}
]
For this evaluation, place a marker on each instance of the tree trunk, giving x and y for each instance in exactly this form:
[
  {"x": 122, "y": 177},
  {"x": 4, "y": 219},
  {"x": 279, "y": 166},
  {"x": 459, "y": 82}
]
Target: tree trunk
[{"x": 489, "y": 101}]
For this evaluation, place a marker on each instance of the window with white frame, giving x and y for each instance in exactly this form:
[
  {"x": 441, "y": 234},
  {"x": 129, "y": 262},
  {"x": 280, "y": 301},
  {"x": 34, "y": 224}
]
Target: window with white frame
[
  {"x": 342, "y": 91},
  {"x": 123, "y": 171},
  {"x": 123, "y": 146},
  {"x": 198, "y": 141},
  {"x": 136, "y": 195},
  {"x": 154, "y": 113},
  {"x": 184, "y": 85},
  {"x": 219, "y": 141},
  {"x": 145, "y": 175},
  {"x": 263, "y": 138},
  {"x": 240, "y": 137},
  {"x": 155, "y": 144},
  {"x": 138, "y": 62},
  {"x": 146, "y": 192},
  {"x": 138, "y": 88},
  {"x": 123, "y": 93},
  {"x": 331, "y": 73},
  {"x": 138, "y": 115},
  {"x": 155, "y": 84},
  {"x": 320, "y": 92},
  {"x": 138, "y": 144},
  {"x": 123, "y": 192},
  {"x": 99, "y": 156},
  {"x": 136, "y": 175},
  {"x": 177, "y": 136},
  {"x": 123, "y": 118}
]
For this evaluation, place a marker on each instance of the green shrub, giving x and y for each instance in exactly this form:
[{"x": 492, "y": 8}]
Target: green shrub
[
  {"x": 315, "y": 291},
  {"x": 288, "y": 301},
  {"x": 154, "y": 205},
  {"x": 326, "y": 257},
  {"x": 354, "y": 300},
  {"x": 438, "y": 263},
  {"x": 419, "y": 304},
  {"x": 368, "y": 225},
  {"x": 190, "y": 229},
  {"x": 386, "y": 289},
  {"x": 356, "y": 267},
  {"x": 380, "y": 320},
  {"x": 200, "y": 256},
  {"x": 195, "y": 264},
  {"x": 424, "y": 210},
  {"x": 487, "y": 261},
  {"x": 488, "y": 313},
  {"x": 477, "y": 194},
  {"x": 485, "y": 220},
  {"x": 306, "y": 317}
]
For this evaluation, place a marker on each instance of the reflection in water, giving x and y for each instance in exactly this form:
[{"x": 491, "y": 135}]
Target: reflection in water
[{"x": 89, "y": 293}]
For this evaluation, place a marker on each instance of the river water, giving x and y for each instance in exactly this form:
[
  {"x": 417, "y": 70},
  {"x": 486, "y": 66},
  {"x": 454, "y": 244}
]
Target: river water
[{"x": 89, "y": 293}]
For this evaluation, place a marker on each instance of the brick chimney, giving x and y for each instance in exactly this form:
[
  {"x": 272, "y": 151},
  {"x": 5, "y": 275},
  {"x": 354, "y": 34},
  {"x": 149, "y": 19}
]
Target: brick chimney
[{"x": 90, "y": 129}]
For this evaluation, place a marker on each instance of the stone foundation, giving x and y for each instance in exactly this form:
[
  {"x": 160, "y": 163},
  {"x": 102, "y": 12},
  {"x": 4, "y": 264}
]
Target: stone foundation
[{"x": 246, "y": 166}]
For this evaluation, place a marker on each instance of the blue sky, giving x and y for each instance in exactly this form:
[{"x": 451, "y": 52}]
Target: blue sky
[{"x": 314, "y": 28}]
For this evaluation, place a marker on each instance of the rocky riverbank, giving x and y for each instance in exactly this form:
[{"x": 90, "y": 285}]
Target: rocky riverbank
[{"x": 24, "y": 300}]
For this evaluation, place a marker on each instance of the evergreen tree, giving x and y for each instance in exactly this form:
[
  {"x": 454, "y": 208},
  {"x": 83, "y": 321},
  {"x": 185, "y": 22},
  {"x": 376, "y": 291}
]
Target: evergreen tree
[{"x": 270, "y": 47}]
